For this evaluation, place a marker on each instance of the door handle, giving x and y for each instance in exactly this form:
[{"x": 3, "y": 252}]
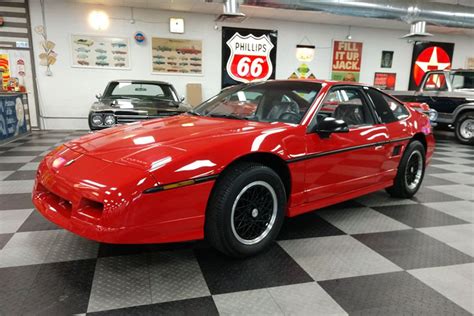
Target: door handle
[{"x": 378, "y": 147}]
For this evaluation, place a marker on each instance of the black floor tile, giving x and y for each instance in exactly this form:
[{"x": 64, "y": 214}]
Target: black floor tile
[
  {"x": 194, "y": 306},
  {"x": 11, "y": 166},
  {"x": 307, "y": 226},
  {"x": 14, "y": 153},
  {"x": 430, "y": 180},
  {"x": 22, "y": 175},
  {"x": 271, "y": 268},
  {"x": 396, "y": 293},
  {"x": 427, "y": 195},
  {"x": 14, "y": 287},
  {"x": 60, "y": 288},
  {"x": 110, "y": 250},
  {"x": 433, "y": 170},
  {"x": 411, "y": 249},
  {"x": 4, "y": 238},
  {"x": 36, "y": 222},
  {"x": 15, "y": 201},
  {"x": 418, "y": 215}
]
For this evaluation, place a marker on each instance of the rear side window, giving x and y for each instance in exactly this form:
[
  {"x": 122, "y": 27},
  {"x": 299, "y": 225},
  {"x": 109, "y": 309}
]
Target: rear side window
[
  {"x": 381, "y": 106},
  {"x": 398, "y": 109}
]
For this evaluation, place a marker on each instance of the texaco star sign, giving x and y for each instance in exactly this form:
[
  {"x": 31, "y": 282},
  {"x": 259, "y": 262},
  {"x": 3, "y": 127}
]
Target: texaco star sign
[{"x": 432, "y": 58}]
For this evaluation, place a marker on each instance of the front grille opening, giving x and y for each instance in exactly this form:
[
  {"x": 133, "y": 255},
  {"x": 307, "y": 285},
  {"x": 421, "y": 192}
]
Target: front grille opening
[
  {"x": 91, "y": 209},
  {"x": 61, "y": 205}
]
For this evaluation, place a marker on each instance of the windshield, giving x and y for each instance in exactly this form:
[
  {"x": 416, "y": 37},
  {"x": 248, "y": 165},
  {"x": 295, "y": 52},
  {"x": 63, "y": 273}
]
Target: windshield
[
  {"x": 140, "y": 90},
  {"x": 272, "y": 101},
  {"x": 463, "y": 80}
]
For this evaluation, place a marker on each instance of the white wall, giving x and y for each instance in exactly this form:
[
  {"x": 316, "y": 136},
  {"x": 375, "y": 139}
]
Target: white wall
[{"x": 70, "y": 91}]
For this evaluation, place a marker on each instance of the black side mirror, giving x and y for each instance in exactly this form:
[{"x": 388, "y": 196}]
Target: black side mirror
[{"x": 330, "y": 125}]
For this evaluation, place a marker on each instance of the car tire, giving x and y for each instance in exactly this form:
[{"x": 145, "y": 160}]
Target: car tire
[
  {"x": 464, "y": 128},
  {"x": 246, "y": 210},
  {"x": 410, "y": 171}
]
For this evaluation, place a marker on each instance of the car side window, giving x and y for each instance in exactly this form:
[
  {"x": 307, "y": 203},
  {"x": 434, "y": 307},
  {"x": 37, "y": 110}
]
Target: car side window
[
  {"x": 398, "y": 109},
  {"x": 347, "y": 104},
  {"x": 435, "y": 82},
  {"x": 382, "y": 107}
]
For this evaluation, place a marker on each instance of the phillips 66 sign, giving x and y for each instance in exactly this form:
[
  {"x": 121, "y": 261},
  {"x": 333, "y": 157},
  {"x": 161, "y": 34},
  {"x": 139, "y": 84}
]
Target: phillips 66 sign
[{"x": 247, "y": 55}]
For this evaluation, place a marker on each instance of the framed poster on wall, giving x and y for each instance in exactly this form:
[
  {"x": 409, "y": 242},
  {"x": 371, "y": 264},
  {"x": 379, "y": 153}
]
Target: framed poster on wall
[
  {"x": 176, "y": 56},
  {"x": 346, "y": 61},
  {"x": 248, "y": 55},
  {"x": 429, "y": 56},
  {"x": 385, "y": 80},
  {"x": 90, "y": 51}
]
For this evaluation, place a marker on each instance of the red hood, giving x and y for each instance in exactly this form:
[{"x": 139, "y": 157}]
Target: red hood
[{"x": 166, "y": 137}]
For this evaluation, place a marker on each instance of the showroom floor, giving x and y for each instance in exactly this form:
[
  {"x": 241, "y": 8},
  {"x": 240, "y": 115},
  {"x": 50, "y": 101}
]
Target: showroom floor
[{"x": 372, "y": 255}]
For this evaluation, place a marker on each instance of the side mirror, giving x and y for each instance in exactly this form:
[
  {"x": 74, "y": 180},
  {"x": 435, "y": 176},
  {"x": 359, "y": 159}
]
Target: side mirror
[
  {"x": 181, "y": 99},
  {"x": 98, "y": 96},
  {"x": 330, "y": 125}
]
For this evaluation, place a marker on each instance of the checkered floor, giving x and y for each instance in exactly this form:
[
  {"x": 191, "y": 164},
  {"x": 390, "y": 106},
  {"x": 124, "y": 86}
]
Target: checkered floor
[{"x": 372, "y": 255}]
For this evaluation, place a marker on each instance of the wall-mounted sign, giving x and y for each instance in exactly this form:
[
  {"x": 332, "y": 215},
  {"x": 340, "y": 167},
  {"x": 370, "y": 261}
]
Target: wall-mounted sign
[
  {"x": 470, "y": 62},
  {"x": 176, "y": 56},
  {"x": 13, "y": 116},
  {"x": 247, "y": 55},
  {"x": 429, "y": 56},
  {"x": 90, "y": 51},
  {"x": 346, "y": 61},
  {"x": 385, "y": 80},
  {"x": 139, "y": 37}
]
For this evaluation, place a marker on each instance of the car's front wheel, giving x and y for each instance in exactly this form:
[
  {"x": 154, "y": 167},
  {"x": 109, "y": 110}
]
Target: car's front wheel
[
  {"x": 410, "y": 171},
  {"x": 464, "y": 128},
  {"x": 246, "y": 210}
]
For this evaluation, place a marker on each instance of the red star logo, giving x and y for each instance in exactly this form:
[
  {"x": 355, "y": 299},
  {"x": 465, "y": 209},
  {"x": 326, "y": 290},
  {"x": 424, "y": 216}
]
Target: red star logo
[{"x": 431, "y": 58}]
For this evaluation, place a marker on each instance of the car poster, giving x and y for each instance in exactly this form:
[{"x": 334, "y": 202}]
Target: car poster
[
  {"x": 100, "y": 52},
  {"x": 176, "y": 56},
  {"x": 385, "y": 80},
  {"x": 248, "y": 55},
  {"x": 429, "y": 56},
  {"x": 346, "y": 61}
]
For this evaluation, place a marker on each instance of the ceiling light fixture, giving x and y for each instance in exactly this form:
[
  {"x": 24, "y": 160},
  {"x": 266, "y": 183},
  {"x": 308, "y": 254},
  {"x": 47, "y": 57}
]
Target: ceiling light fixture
[
  {"x": 349, "y": 36},
  {"x": 99, "y": 20}
]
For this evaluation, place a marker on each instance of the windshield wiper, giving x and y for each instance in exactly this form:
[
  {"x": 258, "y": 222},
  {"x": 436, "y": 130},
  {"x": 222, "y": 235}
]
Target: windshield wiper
[{"x": 231, "y": 116}]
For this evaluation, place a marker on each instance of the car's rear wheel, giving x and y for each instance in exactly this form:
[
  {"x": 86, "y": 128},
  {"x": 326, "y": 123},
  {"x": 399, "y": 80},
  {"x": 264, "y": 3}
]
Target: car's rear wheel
[
  {"x": 246, "y": 210},
  {"x": 410, "y": 171},
  {"x": 464, "y": 128}
]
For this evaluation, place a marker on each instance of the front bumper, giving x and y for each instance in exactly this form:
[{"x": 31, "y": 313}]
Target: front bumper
[{"x": 117, "y": 210}]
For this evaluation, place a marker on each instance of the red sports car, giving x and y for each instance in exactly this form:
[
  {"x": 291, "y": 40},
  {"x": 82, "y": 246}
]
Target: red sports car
[{"x": 232, "y": 169}]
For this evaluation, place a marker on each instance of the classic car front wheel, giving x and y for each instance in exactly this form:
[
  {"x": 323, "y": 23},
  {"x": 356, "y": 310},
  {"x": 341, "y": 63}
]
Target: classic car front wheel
[
  {"x": 410, "y": 171},
  {"x": 246, "y": 210},
  {"x": 465, "y": 128}
]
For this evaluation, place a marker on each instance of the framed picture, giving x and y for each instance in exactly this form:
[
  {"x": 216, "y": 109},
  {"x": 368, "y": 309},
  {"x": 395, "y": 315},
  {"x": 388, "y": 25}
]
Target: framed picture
[
  {"x": 176, "y": 56},
  {"x": 385, "y": 80},
  {"x": 89, "y": 51},
  {"x": 387, "y": 58}
]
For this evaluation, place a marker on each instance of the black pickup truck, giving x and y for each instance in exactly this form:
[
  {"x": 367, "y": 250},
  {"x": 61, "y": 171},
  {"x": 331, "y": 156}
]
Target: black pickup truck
[{"x": 451, "y": 93}]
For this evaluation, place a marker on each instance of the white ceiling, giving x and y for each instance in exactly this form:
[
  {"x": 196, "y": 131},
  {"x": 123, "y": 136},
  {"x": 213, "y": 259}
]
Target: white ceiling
[{"x": 216, "y": 8}]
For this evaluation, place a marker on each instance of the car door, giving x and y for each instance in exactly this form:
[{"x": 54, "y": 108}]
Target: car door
[
  {"x": 392, "y": 114},
  {"x": 435, "y": 92},
  {"x": 344, "y": 162}
]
